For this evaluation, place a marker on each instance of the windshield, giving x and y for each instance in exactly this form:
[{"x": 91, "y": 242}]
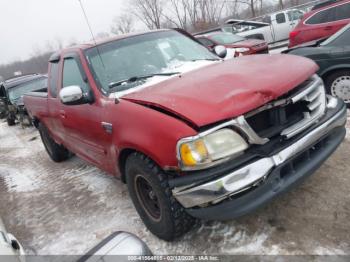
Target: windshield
[
  {"x": 226, "y": 38},
  {"x": 16, "y": 92},
  {"x": 148, "y": 54}
]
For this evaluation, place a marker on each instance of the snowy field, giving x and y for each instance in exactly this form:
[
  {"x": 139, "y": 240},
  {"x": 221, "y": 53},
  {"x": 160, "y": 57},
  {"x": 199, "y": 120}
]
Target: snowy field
[{"x": 67, "y": 208}]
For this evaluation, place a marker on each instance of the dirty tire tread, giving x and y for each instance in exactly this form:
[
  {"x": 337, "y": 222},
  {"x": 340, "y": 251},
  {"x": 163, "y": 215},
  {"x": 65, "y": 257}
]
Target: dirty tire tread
[
  {"x": 57, "y": 153},
  {"x": 180, "y": 221},
  {"x": 11, "y": 121},
  {"x": 332, "y": 77}
]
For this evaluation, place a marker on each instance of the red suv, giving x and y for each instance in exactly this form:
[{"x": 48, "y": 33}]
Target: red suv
[{"x": 322, "y": 21}]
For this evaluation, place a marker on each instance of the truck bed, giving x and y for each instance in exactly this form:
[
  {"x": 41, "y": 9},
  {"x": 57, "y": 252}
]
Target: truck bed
[{"x": 36, "y": 104}]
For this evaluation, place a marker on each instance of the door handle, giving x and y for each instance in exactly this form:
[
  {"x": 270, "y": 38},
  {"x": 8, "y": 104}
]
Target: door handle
[{"x": 63, "y": 114}]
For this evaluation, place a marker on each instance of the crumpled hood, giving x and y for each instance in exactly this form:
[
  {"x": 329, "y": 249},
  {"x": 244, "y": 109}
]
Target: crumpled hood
[{"x": 227, "y": 89}]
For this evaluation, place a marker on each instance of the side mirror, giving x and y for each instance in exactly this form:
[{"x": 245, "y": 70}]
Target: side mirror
[
  {"x": 220, "y": 51},
  {"x": 73, "y": 95},
  {"x": 118, "y": 244}
]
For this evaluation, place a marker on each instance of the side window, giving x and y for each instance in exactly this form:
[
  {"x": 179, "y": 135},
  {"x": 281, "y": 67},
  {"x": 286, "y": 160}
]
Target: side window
[
  {"x": 294, "y": 15},
  {"x": 280, "y": 18},
  {"x": 205, "y": 41},
  {"x": 53, "y": 79},
  {"x": 342, "y": 11},
  {"x": 267, "y": 19},
  {"x": 324, "y": 16},
  {"x": 72, "y": 75}
]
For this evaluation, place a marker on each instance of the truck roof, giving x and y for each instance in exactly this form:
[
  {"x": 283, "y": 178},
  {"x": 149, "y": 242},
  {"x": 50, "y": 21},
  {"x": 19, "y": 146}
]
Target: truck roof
[{"x": 98, "y": 42}]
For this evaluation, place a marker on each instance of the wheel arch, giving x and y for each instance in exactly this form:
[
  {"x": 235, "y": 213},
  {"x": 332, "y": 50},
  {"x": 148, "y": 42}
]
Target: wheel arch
[
  {"x": 123, "y": 156},
  {"x": 327, "y": 72},
  {"x": 36, "y": 122}
]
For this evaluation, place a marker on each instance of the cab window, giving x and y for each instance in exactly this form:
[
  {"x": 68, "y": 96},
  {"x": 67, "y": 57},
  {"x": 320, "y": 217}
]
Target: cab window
[
  {"x": 53, "y": 79},
  {"x": 72, "y": 75},
  {"x": 205, "y": 42},
  {"x": 280, "y": 18}
]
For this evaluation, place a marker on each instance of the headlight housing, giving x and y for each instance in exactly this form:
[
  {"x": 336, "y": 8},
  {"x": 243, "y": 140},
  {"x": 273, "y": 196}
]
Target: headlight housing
[{"x": 207, "y": 150}]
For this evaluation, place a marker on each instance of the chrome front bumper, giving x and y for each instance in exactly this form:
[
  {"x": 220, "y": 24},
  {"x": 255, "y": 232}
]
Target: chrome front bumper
[{"x": 244, "y": 178}]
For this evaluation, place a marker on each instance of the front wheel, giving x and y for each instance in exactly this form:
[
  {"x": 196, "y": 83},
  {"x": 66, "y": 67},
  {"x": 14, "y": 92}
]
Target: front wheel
[
  {"x": 57, "y": 153},
  {"x": 11, "y": 121},
  {"x": 338, "y": 85},
  {"x": 153, "y": 200}
]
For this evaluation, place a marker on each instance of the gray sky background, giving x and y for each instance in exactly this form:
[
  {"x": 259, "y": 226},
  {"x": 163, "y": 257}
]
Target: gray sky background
[{"x": 27, "y": 25}]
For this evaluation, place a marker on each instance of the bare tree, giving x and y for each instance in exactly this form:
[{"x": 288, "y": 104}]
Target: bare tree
[
  {"x": 195, "y": 14},
  {"x": 178, "y": 15},
  {"x": 251, "y": 4},
  {"x": 123, "y": 24},
  {"x": 101, "y": 35},
  {"x": 280, "y": 3},
  {"x": 150, "y": 12},
  {"x": 252, "y": 7}
]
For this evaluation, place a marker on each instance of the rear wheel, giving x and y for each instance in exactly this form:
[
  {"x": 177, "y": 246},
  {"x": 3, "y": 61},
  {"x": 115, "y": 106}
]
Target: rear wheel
[
  {"x": 57, "y": 153},
  {"x": 338, "y": 85},
  {"x": 153, "y": 200}
]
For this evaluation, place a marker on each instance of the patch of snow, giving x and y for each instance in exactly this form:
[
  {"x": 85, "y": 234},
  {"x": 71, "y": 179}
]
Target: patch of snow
[
  {"x": 323, "y": 251},
  {"x": 19, "y": 181},
  {"x": 183, "y": 67},
  {"x": 348, "y": 127}
]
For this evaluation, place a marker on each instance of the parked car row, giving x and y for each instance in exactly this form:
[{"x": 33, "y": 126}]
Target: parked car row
[
  {"x": 322, "y": 21},
  {"x": 333, "y": 58},
  {"x": 11, "y": 97}
]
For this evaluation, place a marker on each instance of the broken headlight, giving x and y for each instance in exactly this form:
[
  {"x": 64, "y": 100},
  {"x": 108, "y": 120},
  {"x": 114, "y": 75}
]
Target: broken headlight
[{"x": 207, "y": 150}]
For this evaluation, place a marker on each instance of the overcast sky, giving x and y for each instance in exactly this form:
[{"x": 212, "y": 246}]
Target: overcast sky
[{"x": 27, "y": 25}]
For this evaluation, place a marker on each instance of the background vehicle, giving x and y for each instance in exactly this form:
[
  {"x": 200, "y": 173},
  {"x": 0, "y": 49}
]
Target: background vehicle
[
  {"x": 323, "y": 21},
  {"x": 12, "y": 91},
  {"x": 333, "y": 57},
  {"x": 191, "y": 135},
  {"x": 121, "y": 244},
  {"x": 272, "y": 28},
  {"x": 10, "y": 248},
  {"x": 236, "y": 45}
]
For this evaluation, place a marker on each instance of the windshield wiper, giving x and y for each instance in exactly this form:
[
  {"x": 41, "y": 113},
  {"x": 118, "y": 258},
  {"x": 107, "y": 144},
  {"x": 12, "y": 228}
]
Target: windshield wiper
[{"x": 137, "y": 78}]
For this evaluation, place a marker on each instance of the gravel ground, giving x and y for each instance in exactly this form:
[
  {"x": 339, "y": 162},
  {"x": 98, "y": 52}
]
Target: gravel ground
[{"x": 69, "y": 207}]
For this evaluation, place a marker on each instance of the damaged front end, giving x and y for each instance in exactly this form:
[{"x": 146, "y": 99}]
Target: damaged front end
[{"x": 296, "y": 142}]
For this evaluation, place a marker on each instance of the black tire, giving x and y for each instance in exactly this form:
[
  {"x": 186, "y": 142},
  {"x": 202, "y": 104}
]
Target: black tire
[
  {"x": 57, "y": 153},
  {"x": 332, "y": 78},
  {"x": 171, "y": 221},
  {"x": 11, "y": 121}
]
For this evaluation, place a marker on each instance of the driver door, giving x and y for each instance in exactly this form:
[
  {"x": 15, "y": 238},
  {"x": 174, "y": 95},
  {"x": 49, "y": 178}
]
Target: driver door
[{"x": 82, "y": 123}]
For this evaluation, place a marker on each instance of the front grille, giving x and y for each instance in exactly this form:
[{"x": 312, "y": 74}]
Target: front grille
[{"x": 290, "y": 115}]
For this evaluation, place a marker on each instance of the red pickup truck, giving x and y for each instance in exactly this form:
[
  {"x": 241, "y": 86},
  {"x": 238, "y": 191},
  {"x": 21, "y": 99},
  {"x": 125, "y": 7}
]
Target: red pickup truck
[{"x": 193, "y": 136}]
